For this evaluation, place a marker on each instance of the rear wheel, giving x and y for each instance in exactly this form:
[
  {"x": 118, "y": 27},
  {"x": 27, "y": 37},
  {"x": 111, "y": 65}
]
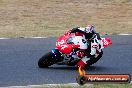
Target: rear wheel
[{"x": 46, "y": 60}]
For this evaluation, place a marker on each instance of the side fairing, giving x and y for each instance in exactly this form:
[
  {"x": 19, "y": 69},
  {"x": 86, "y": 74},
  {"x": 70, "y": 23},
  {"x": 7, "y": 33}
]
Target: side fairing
[{"x": 81, "y": 41}]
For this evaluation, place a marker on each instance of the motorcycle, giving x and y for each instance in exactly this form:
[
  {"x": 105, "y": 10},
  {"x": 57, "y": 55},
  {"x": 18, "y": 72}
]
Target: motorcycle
[{"x": 65, "y": 51}]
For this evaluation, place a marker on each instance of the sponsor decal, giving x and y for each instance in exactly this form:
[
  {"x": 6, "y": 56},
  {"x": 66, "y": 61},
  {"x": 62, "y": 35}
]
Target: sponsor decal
[
  {"x": 101, "y": 78},
  {"x": 115, "y": 78}
]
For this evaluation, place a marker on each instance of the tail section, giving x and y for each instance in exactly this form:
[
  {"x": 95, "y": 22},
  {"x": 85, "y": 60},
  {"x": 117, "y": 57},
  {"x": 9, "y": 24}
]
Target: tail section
[{"x": 106, "y": 42}]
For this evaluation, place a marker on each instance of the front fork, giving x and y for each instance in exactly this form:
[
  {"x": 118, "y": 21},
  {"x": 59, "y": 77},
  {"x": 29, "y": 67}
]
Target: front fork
[{"x": 57, "y": 55}]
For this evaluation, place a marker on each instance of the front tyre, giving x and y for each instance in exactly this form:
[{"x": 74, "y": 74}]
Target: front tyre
[{"x": 46, "y": 60}]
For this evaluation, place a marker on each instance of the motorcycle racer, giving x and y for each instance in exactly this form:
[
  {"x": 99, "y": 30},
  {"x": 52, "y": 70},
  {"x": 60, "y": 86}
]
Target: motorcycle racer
[
  {"x": 93, "y": 43},
  {"x": 78, "y": 46}
]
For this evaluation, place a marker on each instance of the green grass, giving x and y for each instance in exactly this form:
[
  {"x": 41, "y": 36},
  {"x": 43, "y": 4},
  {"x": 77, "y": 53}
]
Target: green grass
[
  {"x": 112, "y": 86},
  {"x": 29, "y": 18},
  {"x": 91, "y": 86}
]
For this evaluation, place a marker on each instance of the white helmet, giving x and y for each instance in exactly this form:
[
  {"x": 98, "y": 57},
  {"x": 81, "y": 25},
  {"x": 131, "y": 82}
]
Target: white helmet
[{"x": 90, "y": 29}]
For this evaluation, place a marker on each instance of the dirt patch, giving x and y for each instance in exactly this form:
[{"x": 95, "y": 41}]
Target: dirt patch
[{"x": 52, "y": 17}]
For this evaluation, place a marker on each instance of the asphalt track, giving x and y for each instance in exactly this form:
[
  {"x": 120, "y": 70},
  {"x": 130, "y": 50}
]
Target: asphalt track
[{"x": 18, "y": 62}]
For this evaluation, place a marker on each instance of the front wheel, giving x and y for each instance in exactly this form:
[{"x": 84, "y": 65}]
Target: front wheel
[{"x": 46, "y": 60}]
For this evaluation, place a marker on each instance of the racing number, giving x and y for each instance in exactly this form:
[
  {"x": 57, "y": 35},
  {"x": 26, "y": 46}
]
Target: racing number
[
  {"x": 61, "y": 44},
  {"x": 105, "y": 42}
]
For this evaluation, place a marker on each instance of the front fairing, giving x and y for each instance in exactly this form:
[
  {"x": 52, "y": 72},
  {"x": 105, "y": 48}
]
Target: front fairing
[{"x": 64, "y": 45}]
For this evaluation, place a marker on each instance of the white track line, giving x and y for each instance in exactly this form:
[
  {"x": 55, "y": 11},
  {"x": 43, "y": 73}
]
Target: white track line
[
  {"x": 24, "y": 38},
  {"x": 4, "y": 38},
  {"x": 37, "y": 37},
  {"x": 124, "y": 34}
]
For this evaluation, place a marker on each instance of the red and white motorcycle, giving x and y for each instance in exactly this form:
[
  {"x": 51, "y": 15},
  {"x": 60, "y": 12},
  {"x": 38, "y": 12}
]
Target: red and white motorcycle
[{"x": 65, "y": 52}]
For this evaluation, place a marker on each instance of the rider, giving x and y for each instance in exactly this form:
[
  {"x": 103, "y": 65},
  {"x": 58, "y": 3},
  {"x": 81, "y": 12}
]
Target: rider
[{"x": 93, "y": 42}]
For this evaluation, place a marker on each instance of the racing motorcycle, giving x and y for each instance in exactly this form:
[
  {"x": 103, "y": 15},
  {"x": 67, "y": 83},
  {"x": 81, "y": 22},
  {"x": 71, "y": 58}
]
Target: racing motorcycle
[{"x": 65, "y": 51}]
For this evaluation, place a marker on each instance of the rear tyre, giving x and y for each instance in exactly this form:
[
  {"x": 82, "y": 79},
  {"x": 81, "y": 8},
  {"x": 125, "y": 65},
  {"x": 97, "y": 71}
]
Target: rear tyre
[{"x": 46, "y": 60}]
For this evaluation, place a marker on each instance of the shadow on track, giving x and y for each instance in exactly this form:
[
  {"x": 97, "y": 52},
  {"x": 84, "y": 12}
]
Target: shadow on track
[{"x": 89, "y": 68}]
